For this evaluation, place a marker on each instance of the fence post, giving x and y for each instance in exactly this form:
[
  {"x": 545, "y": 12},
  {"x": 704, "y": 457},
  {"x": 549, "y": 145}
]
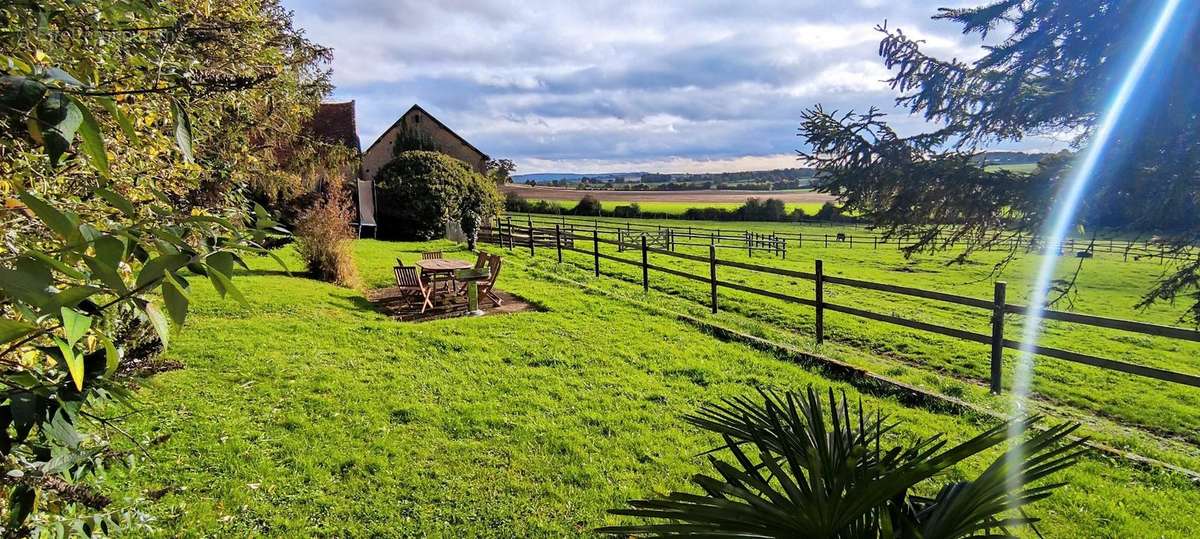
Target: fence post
[
  {"x": 800, "y": 240},
  {"x": 712, "y": 276},
  {"x": 510, "y": 229},
  {"x": 820, "y": 282},
  {"x": 827, "y": 240},
  {"x": 874, "y": 241},
  {"x": 749, "y": 247},
  {"x": 645, "y": 267},
  {"x": 997, "y": 334},
  {"x": 558, "y": 241},
  {"x": 851, "y": 240},
  {"x": 531, "y": 238},
  {"x": 596, "y": 250}
]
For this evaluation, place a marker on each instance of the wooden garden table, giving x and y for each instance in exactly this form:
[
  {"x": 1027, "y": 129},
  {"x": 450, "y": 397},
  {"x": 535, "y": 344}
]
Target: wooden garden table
[{"x": 444, "y": 268}]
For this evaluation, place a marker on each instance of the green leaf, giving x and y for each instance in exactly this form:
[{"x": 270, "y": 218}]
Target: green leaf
[
  {"x": 158, "y": 321},
  {"x": 111, "y": 356},
  {"x": 74, "y": 362},
  {"x": 11, "y": 330},
  {"x": 60, "y": 75},
  {"x": 183, "y": 130},
  {"x": 56, "y": 220},
  {"x": 221, "y": 261},
  {"x": 110, "y": 250},
  {"x": 93, "y": 142},
  {"x": 20, "y": 93},
  {"x": 223, "y": 285},
  {"x": 21, "y": 503},
  {"x": 156, "y": 267},
  {"x": 75, "y": 325},
  {"x": 57, "y": 264},
  {"x": 106, "y": 274},
  {"x": 123, "y": 119},
  {"x": 28, "y": 281},
  {"x": 176, "y": 299},
  {"x": 117, "y": 201},
  {"x": 72, "y": 296},
  {"x": 25, "y": 407},
  {"x": 59, "y": 117}
]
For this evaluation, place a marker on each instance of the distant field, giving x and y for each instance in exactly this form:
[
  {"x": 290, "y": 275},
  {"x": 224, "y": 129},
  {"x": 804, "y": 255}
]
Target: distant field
[
  {"x": 675, "y": 202},
  {"x": 1022, "y": 167}
]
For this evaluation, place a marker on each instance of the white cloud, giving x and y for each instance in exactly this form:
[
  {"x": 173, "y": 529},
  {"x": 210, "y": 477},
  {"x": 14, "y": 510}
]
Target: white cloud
[{"x": 681, "y": 83}]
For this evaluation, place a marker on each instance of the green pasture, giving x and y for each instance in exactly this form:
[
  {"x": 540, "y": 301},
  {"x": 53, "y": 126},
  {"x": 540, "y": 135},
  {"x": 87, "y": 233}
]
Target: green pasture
[
  {"x": 310, "y": 414},
  {"x": 1107, "y": 286}
]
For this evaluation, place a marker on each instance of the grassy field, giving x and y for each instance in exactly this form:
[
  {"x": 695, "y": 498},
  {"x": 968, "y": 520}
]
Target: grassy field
[
  {"x": 1107, "y": 286},
  {"x": 311, "y": 414},
  {"x": 1020, "y": 167}
]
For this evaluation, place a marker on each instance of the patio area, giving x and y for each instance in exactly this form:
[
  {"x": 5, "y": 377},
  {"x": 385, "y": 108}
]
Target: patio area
[
  {"x": 437, "y": 287},
  {"x": 393, "y": 302}
]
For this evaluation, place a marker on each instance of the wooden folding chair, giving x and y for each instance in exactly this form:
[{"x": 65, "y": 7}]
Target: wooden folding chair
[
  {"x": 485, "y": 287},
  {"x": 431, "y": 255},
  {"x": 480, "y": 262},
  {"x": 408, "y": 280}
]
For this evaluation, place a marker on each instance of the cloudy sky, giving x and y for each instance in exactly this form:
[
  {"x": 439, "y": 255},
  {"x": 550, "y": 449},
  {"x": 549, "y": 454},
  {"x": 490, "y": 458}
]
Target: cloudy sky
[{"x": 599, "y": 85}]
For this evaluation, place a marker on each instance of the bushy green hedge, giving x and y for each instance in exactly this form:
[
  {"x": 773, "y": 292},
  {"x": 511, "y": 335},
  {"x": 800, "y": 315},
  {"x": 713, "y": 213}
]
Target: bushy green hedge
[{"x": 419, "y": 191}]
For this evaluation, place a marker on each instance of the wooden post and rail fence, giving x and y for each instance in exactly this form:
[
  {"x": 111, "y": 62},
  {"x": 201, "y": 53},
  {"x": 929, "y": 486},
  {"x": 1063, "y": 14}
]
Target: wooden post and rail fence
[
  {"x": 777, "y": 242},
  {"x": 561, "y": 240}
]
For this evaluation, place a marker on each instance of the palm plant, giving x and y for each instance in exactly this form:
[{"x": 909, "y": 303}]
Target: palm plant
[{"x": 797, "y": 472}]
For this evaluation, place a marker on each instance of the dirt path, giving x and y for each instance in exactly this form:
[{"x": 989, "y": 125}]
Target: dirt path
[{"x": 699, "y": 196}]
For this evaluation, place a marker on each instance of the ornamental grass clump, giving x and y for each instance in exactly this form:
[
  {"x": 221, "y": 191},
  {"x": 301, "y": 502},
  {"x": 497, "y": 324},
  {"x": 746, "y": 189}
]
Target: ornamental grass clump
[{"x": 323, "y": 236}]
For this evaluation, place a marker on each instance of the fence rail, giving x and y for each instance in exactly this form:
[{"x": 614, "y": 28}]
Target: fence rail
[
  {"x": 723, "y": 238},
  {"x": 569, "y": 239}
]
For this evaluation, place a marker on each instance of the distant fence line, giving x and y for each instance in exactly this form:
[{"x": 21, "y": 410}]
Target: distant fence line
[
  {"x": 560, "y": 239},
  {"x": 777, "y": 242}
]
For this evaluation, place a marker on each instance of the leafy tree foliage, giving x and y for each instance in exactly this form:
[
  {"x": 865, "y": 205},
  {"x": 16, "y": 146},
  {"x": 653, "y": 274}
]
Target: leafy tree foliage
[
  {"x": 129, "y": 133},
  {"x": 412, "y": 139},
  {"x": 1051, "y": 73},
  {"x": 799, "y": 469},
  {"x": 500, "y": 170},
  {"x": 420, "y": 191},
  {"x": 588, "y": 205}
]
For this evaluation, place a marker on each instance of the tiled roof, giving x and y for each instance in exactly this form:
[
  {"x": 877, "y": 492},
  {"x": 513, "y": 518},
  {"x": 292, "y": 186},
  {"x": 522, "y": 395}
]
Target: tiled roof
[{"x": 334, "y": 122}]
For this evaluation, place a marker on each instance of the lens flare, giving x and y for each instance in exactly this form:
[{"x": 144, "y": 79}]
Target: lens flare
[{"x": 1064, "y": 215}]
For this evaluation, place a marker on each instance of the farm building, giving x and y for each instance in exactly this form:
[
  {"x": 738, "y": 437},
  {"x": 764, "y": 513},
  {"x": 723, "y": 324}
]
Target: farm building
[{"x": 420, "y": 126}]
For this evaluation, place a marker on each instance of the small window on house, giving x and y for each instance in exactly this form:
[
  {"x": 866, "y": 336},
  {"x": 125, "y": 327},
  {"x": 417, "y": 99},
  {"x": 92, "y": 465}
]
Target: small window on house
[{"x": 417, "y": 118}]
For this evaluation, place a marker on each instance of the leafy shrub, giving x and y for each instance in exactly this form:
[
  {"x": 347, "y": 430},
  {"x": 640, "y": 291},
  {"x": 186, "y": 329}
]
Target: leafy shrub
[
  {"x": 517, "y": 203},
  {"x": 419, "y": 191},
  {"x": 111, "y": 189},
  {"x": 323, "y": 236},
  {"x": 480, "y": 200},
  {"x": 631, "y": 211},
  {"x": 588, "y": 205},
  {"x": 828, "y": 212},
  {"x": 798, "y": 472}
]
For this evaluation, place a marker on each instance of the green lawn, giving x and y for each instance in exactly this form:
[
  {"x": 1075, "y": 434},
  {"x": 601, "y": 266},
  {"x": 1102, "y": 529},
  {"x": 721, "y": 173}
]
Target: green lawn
[{"x": 310, "y": 414}]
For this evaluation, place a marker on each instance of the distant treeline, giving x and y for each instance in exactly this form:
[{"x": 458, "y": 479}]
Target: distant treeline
[
  {"x": 758, "y": 180},
  {"x": 754, "y": 209},
  {"x": 680, "y": 186},
  {"x": 761, "y": 176}
]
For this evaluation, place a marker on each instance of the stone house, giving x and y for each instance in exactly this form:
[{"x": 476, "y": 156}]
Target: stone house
[{"x": 419, "y": 123}]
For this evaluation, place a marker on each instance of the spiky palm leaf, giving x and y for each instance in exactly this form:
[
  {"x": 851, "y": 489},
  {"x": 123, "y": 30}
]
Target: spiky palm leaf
[{"x": 798, "y": 471}]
